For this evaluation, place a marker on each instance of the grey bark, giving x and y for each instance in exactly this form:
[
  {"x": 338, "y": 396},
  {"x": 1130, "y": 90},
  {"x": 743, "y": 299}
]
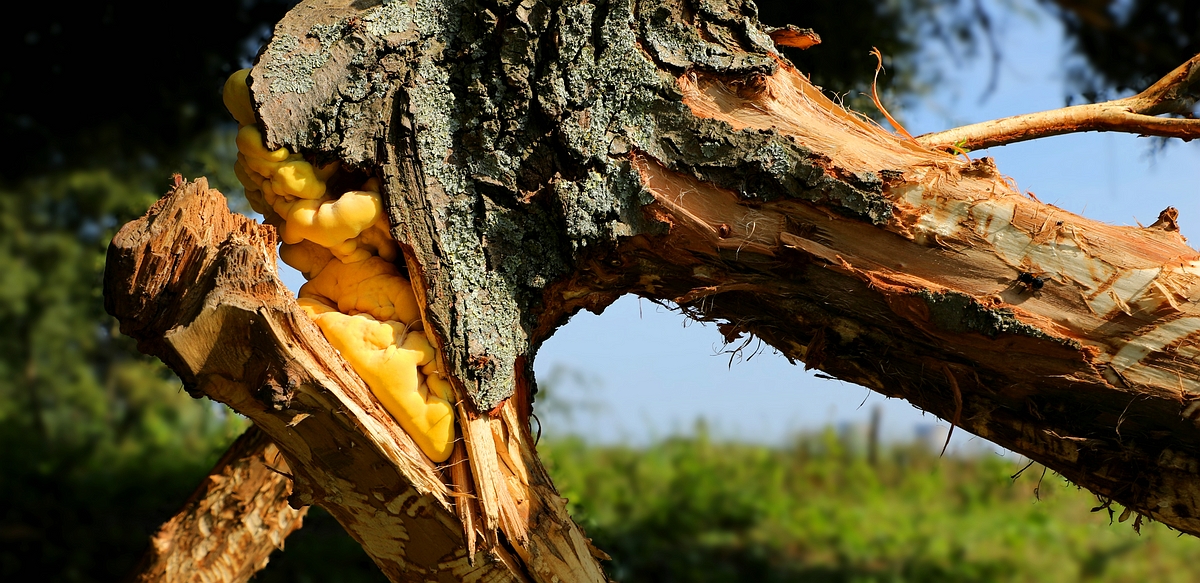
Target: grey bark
[{"x": 503, "y": 133}]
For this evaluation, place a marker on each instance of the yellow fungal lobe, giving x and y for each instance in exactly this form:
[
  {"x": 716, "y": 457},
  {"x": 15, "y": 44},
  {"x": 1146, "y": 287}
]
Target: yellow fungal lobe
[
  {"x": 250, "y": 143},
  {"x": 252, "y": 183},
  {"x": 355, "y": 293},
  {"x": 289, "y": 175},
  {"x": 306, "y": 257},
  {"x": 373, "y": 287},
  {"x": 236, "y": 96},
  {"x": 391, "y": 371},
  {"x": 297, "y": 178},
  {"x": 329, "y": 223},
  {"x": 376, "y": 240}
]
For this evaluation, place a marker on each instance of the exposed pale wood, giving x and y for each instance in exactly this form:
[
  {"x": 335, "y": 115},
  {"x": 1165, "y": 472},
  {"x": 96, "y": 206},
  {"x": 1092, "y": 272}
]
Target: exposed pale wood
[
  {"x": 1094, "y": 374},
  {"x": 523, "y": 197},
  {"x": 197, "y": 287},
  {"x": 233, "y": 522}
]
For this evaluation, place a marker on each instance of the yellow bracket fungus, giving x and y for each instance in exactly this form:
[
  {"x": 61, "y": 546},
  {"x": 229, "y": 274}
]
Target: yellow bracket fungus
[
  {"x": 355, "y": 293},
  {"x": 373, "y": 287},
  {"x": 306, "y": 257},
  {"x": 281, "y": 173},
  {"x": 352, "y": 227},
  {"x": 236, "y": 96},
  {"x": 388, "y": 357}
]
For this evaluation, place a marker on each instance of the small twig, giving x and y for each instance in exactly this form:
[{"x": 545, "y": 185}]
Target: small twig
[
  {"x": 958, "y": 402},
  {"x": 1136, "y": 114},
  {"x": 1037, "y": 490},
  {"x": 1021, "y": 471}
]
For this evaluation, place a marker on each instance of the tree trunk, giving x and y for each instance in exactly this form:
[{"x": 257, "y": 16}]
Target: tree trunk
[{"x": 542, "y": 157}]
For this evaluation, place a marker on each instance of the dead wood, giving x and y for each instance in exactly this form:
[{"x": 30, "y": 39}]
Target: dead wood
[
  {"x": 542, "y": 158},
  {"x": 230, "y": 526},
  {"x": 197, "y": 287},
  {"x": 665, "y": 148},
  {"x": 1137, "y": 114}
]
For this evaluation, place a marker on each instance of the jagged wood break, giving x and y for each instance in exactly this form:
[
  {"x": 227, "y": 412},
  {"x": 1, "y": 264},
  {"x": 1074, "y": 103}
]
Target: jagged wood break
[
  {"x": 197, "y": 287},
  {"x": 537, "y": 158},
  {"x": 335, "y": 233}
]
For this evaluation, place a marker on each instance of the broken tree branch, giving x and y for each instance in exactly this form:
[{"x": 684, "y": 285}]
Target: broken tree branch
[
  {"x": 197, "y": 287},
  {"x": 233, "y": 522},
  {"x": 1136, "y": 114},
  {"x": 664, "y": 148},
  {"x": 541, "y": 158}
]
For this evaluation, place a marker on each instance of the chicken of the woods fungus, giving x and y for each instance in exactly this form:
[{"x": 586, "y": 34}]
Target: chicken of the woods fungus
[{"x": 341, "y": 243}]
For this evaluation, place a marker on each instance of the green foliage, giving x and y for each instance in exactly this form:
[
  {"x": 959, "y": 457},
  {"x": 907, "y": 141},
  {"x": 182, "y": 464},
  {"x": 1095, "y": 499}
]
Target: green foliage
[
  {"x": 98, "y": 444},
  {"x": 697, "y": 510},
  {"x": 1126, "y": 45}
]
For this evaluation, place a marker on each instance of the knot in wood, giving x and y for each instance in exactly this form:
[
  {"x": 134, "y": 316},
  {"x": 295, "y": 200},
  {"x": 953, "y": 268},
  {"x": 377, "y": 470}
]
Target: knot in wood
[{"x": 752, "y": 86}]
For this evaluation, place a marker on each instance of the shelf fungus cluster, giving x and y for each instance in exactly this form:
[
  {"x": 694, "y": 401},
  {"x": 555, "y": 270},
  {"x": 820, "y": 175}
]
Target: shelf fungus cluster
[{"x": 341, "y": 243}]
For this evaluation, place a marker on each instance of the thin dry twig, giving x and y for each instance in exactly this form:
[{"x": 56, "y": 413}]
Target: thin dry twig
[
  {"x": 1136, "y": 114},
  {"x": 958, "y": 404}
]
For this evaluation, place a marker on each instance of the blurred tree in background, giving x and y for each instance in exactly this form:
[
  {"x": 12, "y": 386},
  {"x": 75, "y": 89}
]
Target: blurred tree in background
[
  {"x": 700, "y": 510},
  {"x": 1125, "y": 46},
  {"x": 99, "y": 445}
]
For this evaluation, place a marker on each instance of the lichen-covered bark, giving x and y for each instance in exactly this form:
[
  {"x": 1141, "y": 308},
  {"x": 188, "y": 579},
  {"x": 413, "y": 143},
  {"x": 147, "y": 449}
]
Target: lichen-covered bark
[
  {"x": 504, "y": 131},
  {"x": 233, "y": 522},
  {"x": 545, "y": 156}
]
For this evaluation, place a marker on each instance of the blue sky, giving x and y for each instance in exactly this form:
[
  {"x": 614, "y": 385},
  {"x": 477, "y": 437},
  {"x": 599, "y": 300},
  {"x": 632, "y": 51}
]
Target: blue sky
[{"x": 651, "y": 373}]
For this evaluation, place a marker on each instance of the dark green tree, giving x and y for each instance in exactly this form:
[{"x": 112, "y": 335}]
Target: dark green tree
[{"x": 99, "y": 444}]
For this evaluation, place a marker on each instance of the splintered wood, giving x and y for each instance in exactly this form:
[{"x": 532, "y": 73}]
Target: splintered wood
[
  {"x": 1124, "y": 293},
  {"x": 198, "y": 287},
  {"x": 1017, "y": 301}
]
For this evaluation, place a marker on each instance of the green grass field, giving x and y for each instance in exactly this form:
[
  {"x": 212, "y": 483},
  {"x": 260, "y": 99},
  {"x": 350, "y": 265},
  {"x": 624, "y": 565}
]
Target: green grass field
[{"x": 694, "y": 509}]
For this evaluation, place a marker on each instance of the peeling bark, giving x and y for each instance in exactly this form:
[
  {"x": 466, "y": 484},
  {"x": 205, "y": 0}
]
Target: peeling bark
[
  {"x": 539, "y": 158},
  {"x": 233, "y": 522},
  {"x": 542, "y": 157}
]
